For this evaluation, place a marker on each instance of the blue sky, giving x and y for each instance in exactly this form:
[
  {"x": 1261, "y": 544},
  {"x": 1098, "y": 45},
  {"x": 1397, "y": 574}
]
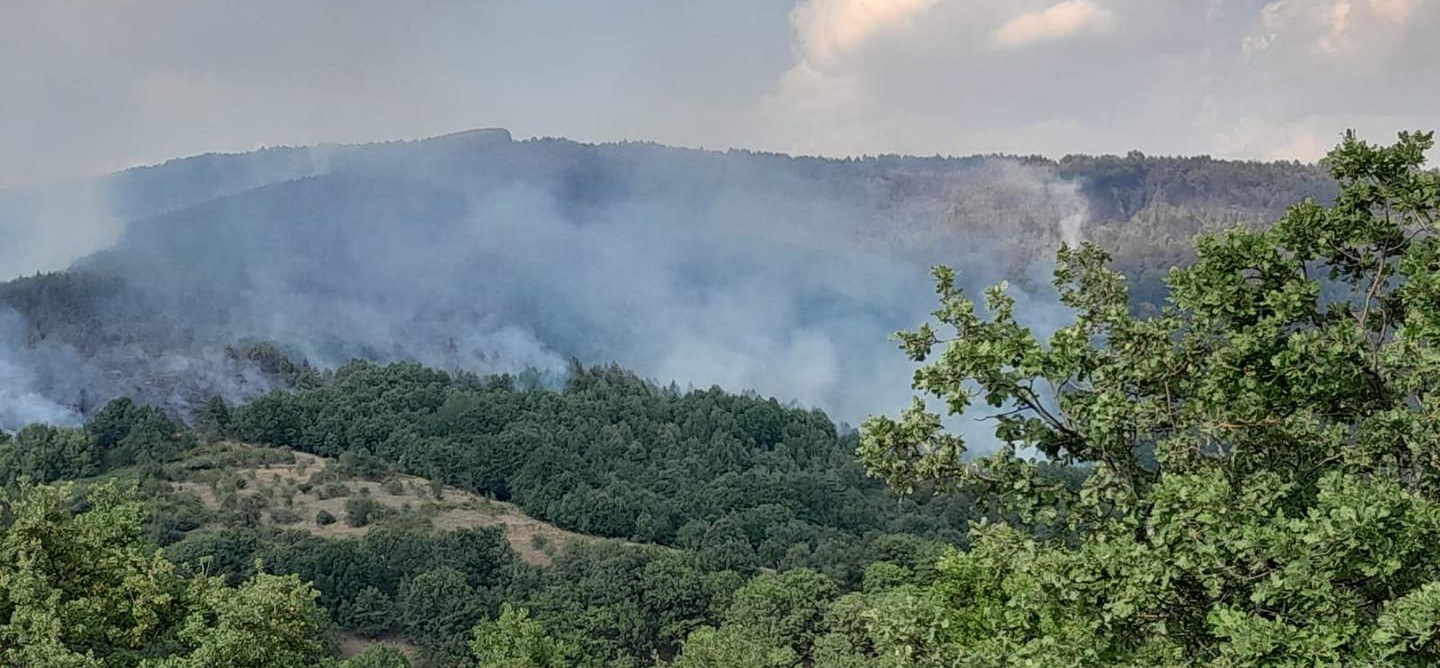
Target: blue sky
[{"x": 95, "y": 86}]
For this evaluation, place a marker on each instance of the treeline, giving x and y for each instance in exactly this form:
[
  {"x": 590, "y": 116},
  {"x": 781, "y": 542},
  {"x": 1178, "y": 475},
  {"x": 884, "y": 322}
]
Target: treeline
[
  {"x": 123, "y": 434},
  {"x": 608, "y": 603},
  {"x": 725, "y": 491},
  {"x": 80, "y": 586},
  {"x": 610, "y": 455}
]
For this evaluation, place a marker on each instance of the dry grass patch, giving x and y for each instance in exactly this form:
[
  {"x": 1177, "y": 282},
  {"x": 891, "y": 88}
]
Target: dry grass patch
[{"x": 532, "y": 539}]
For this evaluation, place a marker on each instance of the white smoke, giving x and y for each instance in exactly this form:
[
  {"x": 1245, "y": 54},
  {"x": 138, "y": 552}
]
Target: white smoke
[
  {"x": 46, "y": 229},
  {"x": 21, "y": 402},
  {"x": 752, "y": 272},
  {"x": 1070, "y": 229}
]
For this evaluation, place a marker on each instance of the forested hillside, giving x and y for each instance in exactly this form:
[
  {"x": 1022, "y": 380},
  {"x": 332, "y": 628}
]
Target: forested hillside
[
  {"x": 474, "y": 252},
  {"x": 1243, "y": 478},
  {"x": 704, "y": 495}
]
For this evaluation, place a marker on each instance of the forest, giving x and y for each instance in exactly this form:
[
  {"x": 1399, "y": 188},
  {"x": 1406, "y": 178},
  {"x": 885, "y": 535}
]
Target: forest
[
  {"x": 1230, "y": 462},
  {"x": 480, "y": 253}
]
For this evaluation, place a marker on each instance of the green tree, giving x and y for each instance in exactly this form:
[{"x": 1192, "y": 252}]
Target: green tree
[
  {"x": 784, "y": 610},
  {"x": 438, "y": 608},
  {"x": 733, "y": 647},
  {"x": 46, "y": 454},
  {"x": 213, "y": 419},
  {"x": 79, "y": 586},
  {"x": 270, "y": 620},
  {"x": 362, "y": 510},
  {"x": 128, "y": 433},
  {"x": 1264, "y": 484},
  {"x": 382, "y": 655},
  {"x": 369, "y": 614},
  {"x": 514, "y": 640}
]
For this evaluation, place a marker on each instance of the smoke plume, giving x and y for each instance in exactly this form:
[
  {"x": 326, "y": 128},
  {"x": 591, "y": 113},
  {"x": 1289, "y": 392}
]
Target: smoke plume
[{"x": 474, "y": 252}]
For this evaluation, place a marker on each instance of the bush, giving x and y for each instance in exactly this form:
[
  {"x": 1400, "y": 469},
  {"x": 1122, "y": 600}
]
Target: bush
[
  {"x": 242, "y": 511},
  {"x": 324, "y": 518},
  {"x": 285, "y": 516},
  {"x": 126, "y": 433},
  {"x": 364, "y": 465},
  {"x": 363, "y": 510},
  {"x": 332, "y": 490}
]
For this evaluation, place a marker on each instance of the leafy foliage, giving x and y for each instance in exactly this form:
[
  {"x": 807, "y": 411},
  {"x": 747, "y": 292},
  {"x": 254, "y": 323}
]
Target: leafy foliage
[
  {"x": 516, "y": 641},
  {"x": 378, "y": 656},
  {"x": 1238, "y": 470},
  {"x": 45, "y": 454},
  {"x": 1263, "y": 488},
  {"x": 737, "y": 477},
  {"x": 81, "y": 588}
]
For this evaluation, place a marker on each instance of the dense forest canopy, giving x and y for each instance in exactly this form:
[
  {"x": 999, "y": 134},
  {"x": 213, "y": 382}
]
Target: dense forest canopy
[{"x": 702, "y": 495}]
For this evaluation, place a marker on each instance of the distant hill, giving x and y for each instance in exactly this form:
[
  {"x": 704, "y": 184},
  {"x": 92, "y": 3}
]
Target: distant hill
[{"x": 473, "y": 251}]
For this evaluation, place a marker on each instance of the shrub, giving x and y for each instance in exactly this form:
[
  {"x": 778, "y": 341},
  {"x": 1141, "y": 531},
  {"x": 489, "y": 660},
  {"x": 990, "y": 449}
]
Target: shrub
[
  {"x": 362, "y": 510},
  {"x": 332, "y": 490}
]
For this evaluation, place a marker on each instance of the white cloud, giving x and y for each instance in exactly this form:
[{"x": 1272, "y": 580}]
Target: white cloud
[
  {"x": 1395, "y": 11},
  {"x": 809, "y": 108},
  {"x": 826, "y": 28},
  {"x": 177, "y": 77},
  {"x": 1064, "y": 19},
  {"x": 1233, "y": 78},
  {"x": 1342, "y": 29}
]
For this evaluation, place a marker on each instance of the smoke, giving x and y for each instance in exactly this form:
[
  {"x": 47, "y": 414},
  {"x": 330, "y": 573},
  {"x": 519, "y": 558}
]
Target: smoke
[
  {"x": 45, "y": 229},
  {"x": 20, "y": 401},
  {"x": 785, "y": 276},
  {"x": 1071, "y": 227}
]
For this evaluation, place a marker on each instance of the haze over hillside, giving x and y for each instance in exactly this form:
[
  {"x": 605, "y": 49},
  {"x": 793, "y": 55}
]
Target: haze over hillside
[{"x": 475, "y": 252}]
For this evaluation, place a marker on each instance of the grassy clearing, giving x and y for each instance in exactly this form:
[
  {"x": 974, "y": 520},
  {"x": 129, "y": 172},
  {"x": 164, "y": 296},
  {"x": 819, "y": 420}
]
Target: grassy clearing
[{"x": 291, "y": 489}]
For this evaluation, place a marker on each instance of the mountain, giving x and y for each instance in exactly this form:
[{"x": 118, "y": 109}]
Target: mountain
[{"x": 230, "y": 274}]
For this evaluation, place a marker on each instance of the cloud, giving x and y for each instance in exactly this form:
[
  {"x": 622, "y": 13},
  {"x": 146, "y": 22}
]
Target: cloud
[
  {"x": 826, "y": 28},
  {"x": 807, "y": 108},
  {"x": 1230, "y": 78},
  {"x": 1065, "y": 19},
  {"x": 93, "y": 87},
  {"x": 1339, "y": 29},
  {"x": 180, "y": 77}
]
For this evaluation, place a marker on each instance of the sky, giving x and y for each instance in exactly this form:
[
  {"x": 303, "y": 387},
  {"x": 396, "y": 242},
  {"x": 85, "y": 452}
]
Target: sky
[{"x": 89, "y": 86}]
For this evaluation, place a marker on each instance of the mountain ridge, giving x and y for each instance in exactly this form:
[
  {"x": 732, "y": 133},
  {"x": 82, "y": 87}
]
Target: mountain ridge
[{"x": 479, "y": 252}]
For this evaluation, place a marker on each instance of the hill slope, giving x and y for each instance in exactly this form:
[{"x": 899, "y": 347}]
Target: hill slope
[
  {"x": 296, "y": 488},
  {"x": 473, "y": 251}
]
